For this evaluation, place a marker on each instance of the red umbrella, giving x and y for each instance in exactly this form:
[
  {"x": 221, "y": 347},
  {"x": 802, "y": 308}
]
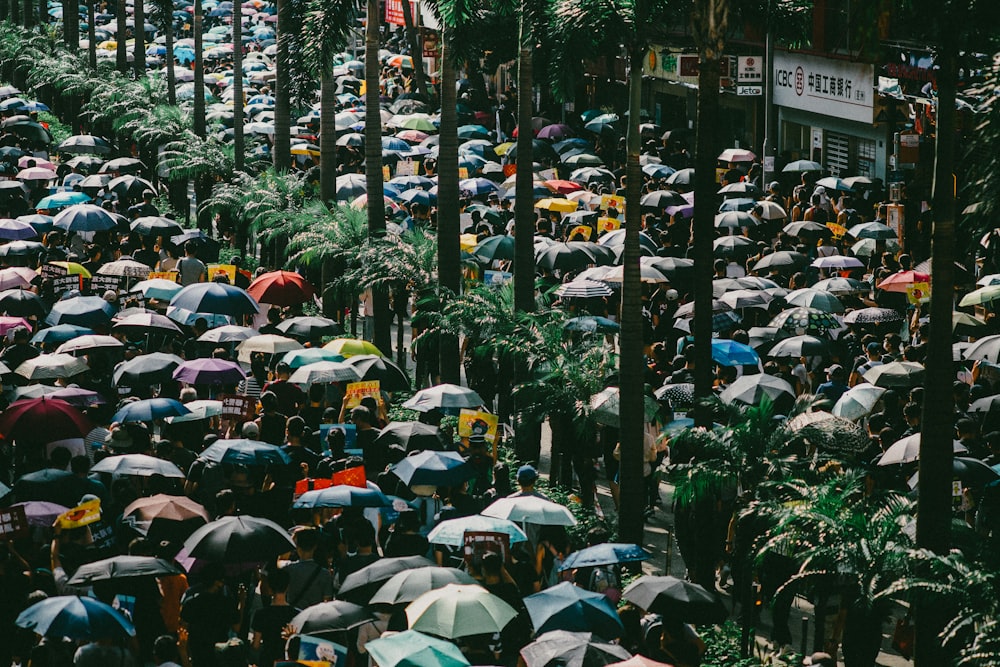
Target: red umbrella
[
  {"x": 563, "y": 186},
  {"x": 902, "y": 280},
  {"x": 43, "y": 419},
  {"x": 281, "y": 288}
]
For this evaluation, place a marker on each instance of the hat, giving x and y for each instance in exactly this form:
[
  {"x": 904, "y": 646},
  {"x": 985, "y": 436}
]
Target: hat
[
  {"x": 250, "y": 430},
  {"x": 773, "y": 185},
  {"x": 526, "y": 474},
  {"x": 835, "y": 369},
  {"x": 873, "y": 347}
]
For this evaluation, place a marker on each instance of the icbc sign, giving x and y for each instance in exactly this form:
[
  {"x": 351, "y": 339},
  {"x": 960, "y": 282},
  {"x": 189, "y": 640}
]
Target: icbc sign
[
  {"x": 800, "y": 80},
  {"x": 826, "y": 86}
]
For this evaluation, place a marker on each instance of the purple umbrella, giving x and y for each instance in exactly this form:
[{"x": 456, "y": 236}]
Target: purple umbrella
[
  {"x": 209, "y": 371},
  {"x": 81, "y": 398}
]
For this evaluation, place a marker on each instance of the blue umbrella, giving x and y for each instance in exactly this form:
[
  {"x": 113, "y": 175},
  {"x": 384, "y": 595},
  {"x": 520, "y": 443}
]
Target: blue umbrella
[
  {"x": 737, "y": 204},
  {"x": 571, "y": 608},
  {"x": 84, "y": 218},
  {"x": 84, "y": 311},
  {"x": 244, "y": 452},
  {"x": 35, "y": 106},
  {"x": 299, "y": 358},
  {"x": 434, "y": 469},
  {"x": 13, "y": 230},
  {"x": 418, "y": 196},
  {"x": 592, "y": 324},
  {"x": 41, "y": 223},
  {"x": 731, "y": 353},
  {"x": 61, "y": 200},
  {"x": 414, "y": 649},
  {"x": 394, "y": 144},
  {"x": 342, "y": 496},
  {"x": 452, "y": 531},
  {"x": 150, "y": 409},
  {"x": 609, "y": 553},
  {"x": 216, "y": 298},
  {"x": 76, "y": 618},
  {"x": 410, "y": 182},
  {"x": 60, "y": 333}
]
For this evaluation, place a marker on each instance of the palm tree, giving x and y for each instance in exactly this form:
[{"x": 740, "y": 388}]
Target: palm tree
[
  {"x": 199, "y": 72},
  {"x": 239, "y": 144},
  {"x": 281, "y": 148},
  {"x": 416, "y": 52},
  {"x": 121, "y": 32},
  {"x": 709, "y": 19},
  {"x": 91, "y": 36},
  {"x": 165, "y": 18},
  {"x": 71, "y": 25},
  {"x": 29, "y": 14},
  {"x": 449, "y": 252},
  {"x": 139, "y": 50},
  {"x": 524, "y": 216}
]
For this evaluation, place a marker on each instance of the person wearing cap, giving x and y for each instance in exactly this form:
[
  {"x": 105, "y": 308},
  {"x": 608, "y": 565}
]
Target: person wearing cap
[
  {"x": 835, "y": 384},
  {"x": 527, "y": 476},
  {"x": 873, "y": 354}
]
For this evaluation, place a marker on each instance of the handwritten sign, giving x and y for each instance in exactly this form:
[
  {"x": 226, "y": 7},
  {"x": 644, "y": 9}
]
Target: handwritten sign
[
  {"x": 14, "y": 523},
  {"x": 406, "y": 168},
  {"x": 463, "y": 173},
  {"x": 101, "y": 283},
  {"x": 478, "y": 543},
  {"x": 355, "y": 391},
  {"x": 237, "y": 405},
  {"x": 227, "y": 270},
  {"x": 612, "y": 201},
  {"x": 386, "y": 172},
  {"x": 81, "y": 515},
  {"x": 163, "y": 275}
]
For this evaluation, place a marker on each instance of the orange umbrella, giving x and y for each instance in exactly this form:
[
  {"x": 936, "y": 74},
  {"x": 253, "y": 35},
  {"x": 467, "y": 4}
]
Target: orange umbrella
[
  {"x": 903, "y": 280},
  {"x": 281, "y": 288}
]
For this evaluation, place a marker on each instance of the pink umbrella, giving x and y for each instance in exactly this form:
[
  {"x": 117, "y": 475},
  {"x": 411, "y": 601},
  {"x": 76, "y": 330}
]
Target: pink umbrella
[
  {"x": 209, "y": 371},
  {"x": 28, "y": 161},
  {"x": 8, "y": 323},
  {"x": 16, "y": 277},
  {"x": 36, "y": 174}
]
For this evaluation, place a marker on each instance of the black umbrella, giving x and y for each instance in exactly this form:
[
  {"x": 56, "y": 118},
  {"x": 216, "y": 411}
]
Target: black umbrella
[
  {"x": 239, "y": 539},
  {"x": 55, "y": 486},
  {"x": 414, "y": 436},
  {"x": 310, "y": 328},
  {"x": 361, "y": 585},
  {"x": 330, "y": 617},
  {"x": 572, "y": 649},
  {"x": 662, "y": 199},
  {"x": 147, "y": 369},
  {"x": 676, "y": 599},
  {"x": 372, "y": 367},
  {"x": 121, "y": 567},
  {"x": 22, "y": 303},
  {"x": 27, "y": 129},
  {"x": 679, "y": 395}
]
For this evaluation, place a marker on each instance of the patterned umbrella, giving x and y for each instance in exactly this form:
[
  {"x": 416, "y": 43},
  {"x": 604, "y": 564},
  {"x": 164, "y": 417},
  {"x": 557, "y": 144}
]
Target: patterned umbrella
[
  {"x": 583, "y": 289},
  {"x": 803, "y": 320},
  {"x": 679, "y": 395},
  {"x": 873, "y": 316}
]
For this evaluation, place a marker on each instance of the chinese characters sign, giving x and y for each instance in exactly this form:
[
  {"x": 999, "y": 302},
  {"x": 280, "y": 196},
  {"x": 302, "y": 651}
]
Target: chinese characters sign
[{"x": 822, "y": 85}]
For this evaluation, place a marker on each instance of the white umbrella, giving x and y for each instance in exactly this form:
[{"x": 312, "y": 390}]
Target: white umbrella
[
  {"x": 325, "y": 372},
  {"x": 858, "y": 401},
  {"x": 51, "y": 367},
  {"x": 89, "y": 342},
  {"x": 907, "y": 450},
  {"x": 531, "y": 509},
  {"x": 137, "y": 465},
  {"x": 267, "y": 344},
  {"x": 444, "y": 396},
  {"x": 751, "y": 389}
]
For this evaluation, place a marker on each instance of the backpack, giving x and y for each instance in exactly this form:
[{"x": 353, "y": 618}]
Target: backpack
[{"x": 853, "y": 218}]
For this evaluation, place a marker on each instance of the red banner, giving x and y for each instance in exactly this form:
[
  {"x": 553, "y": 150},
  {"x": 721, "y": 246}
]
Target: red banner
[
  {"x": 351, "y": 477},
  {"x": 394, "y": 12}
]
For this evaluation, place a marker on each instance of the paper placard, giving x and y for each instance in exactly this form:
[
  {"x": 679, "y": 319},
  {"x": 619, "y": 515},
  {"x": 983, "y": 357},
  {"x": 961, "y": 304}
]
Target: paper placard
[
  {"x": 64, "y": 283},
  {"x": 463, "y": 173},
  {"x": 328, "y": 653},
  {"x": 838, "y": 230},
  {"x": 918, "y": 293},
  {"x": 612, "y": 201},
  {"x": 14, "y": 523},
  {"x": 605, "y": 225},
  {"x": 81, "y": 515},
  {"x": 479, "y": 543},
  {"x": 228, "y": 270},
  {"x": 101, "y": 283},
  {"x": 477, "y": 422},
  {"x": 355, "y": 391},
  {"x": 406, "y": 168},
  {"x": 237, "y": 405},
  {"x": 163, "y": 275},
  {"x": 386, "y": 172},
  {"x": 52, "y": 271},
  {"x": 581, "y": 233},
  {"x": 310, "y": 484},
  {"x": 497, "y": 278},
  {"x": 548, "y": 174}
]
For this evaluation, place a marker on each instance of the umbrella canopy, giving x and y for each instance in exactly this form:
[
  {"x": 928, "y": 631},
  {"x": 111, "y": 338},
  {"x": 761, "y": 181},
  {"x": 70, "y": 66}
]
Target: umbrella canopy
[
  {"x": 239, "y": 539},
  {"x": 89, "y": 342},
  {"x": 60, "y": 333},
  {"x": 48, "y": 484},
  {"x": 794, "y": 347},
  {"x": 351, "y": 347},
  {"x": 216, "y": 298},
  {"x": 229, "y": 333},
  {"x": 801, "y": 320},
  {"x": 408, "y": 585},
  {"x": 873, "y": 315},
  {"x": 375, "y": 367},
  {"x": 444, "y": 397},
  {"x": 330, "y": 616},
  {"x": 751, "y": 389},
  {"x": 814, "y": 298},
  {"x": 47, "y": 418},
  {"x": 146, "y": 369},
  {"x": 267, "y": 344},
  {"x": 84, "y": 218},
  {"x": 361, "y": 585},
  {"x": 680, "y": 394},
  {"x": 123, "y": 567},
  {"x": 986, "y": 348},
  {"x": 157, "y": 288},
  {"x": 75, "y": 617},
  {"x": 583, "y": 289},
  {"x": 451, "y": 532},
  {"x": 732, "y": 353},
  {"x": 299, "y": 358},
  {"x": 907, "y": 450},
  {"x": 872, "y": 230},
  {"x": 676, "y": 599},
  {"x": 342, "y": 496},
  {"x": 84, "y": 311},
  {"x": 149, "y": 410},
  {"x": 325, "y": 372},
  {"x": 244, "y": 452},
  {"x": 51, "y": 367},
  {"x": 413, "y": 436},
  {"x": 901, "y": 281},
  {"x": 592, "y": 324},
  {"x": 146, "y": 323},
  {"x": 167, "y": 507},
  {"x": 433, "y": 469},
  {"x": 895, "y": 374},
  {"x": 568, "y": 607},
  {"x": 281, "y": 288},
  {"x": 310, "y": 328},
  {"x": 858, "y": 401},
  {"x": 572, "y": 649},
  {"x": 459, "y": 611},
  {"x": 415, "y": 649},
  {"x": 606, "y": 405},
  {"x": 607, "y": 553},
  {"x": 137, "y": 465},
  {"x": 209, "y": 371},
  {"x": 530, "y": 509}
]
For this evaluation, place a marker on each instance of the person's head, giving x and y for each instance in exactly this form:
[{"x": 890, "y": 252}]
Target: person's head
[
  {"x": 225, "y": 503},
  {"x": 492, "y": 565},
  {"x": 269, "y": 401},
  {"x": 836, "y": 373},
  {"x": 165, "y": 650},
  {"x": 911, "y": 412},
  {"x": 274, "y": 315},
  {"x": 306, "y": 541},
  {"x": 362, "y": 418},
  {"x": 526, "y": 477},
  {"x": 190, "y": 248},
  {"x": 80, "y": 465},
  {"x": 282, "y": 370},
  {"x": 213, "y": 575},
  {"x": 188, "y": 394},
  {"x": 250, "y": 430},
  {"x": 294, "y": 428},
  {"x": 276, "y": 580},
  {"x": 60, "y": 458},
  {"x": 874, "y": 351},
  {"x": 21, "y": 335},
  {"x": 239, "y": 481},
  {"x": 967, "y": 429}
]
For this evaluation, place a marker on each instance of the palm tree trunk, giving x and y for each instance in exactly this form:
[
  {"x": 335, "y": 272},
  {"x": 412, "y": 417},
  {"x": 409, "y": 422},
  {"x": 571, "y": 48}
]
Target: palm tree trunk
[
  {"x": 91, "y": 37},
  {"x": 281, "y": 150},
  {"x": 29, "y": 14},
  {"x": 168, "y": 31},
  {"x": 199, "y": 73},
  {"x": 524, "y": 214},
  {"x": 709, "y": 17},
  {"x": 449, "y": 227},
  {"x": 139, "y": 48},
  {"x": 121, "y": 32},
  {"x": 630, "y": 369},
  {"x": 416, "y": 51},
  {"x": 71, "y": 24},
  {"x": 327, "y": 137},
  {"x": 239, "y": 148},
  {"x": 373, "y": 170},
  {"x": 15, "y": 12},
  {"x": 934, "y": 513}
]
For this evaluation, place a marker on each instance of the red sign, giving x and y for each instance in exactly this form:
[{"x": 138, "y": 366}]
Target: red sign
[
  {"x": 394, "y": 12},
  {"x": 351, "y": 477},
  {"x": 431, "y": 45},
  {"x": 687, "y": 65}
]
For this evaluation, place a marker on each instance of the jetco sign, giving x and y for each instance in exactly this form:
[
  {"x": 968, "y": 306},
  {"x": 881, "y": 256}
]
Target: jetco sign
[{"x": 821, "y": 85}]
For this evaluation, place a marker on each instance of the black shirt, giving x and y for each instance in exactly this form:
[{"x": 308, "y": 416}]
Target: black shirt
[{"x": 269, "y": 622}]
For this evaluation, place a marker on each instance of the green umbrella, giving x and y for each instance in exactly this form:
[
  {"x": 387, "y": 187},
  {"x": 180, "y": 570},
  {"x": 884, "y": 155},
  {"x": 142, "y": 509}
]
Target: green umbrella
[
  {"x": 414, "y": 649},
  {"x": 459, "y": 611},
  {"x": 408, "y": 585}
]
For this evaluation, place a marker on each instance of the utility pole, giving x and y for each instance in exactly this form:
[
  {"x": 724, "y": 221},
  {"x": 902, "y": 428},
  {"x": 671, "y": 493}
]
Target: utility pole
[{"x": 770, "y": 149}]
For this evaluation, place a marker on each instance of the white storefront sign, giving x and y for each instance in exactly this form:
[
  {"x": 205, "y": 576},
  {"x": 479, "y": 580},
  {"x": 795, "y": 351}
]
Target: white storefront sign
[
  {"x": 750, "y": 69},
  {"x": 825, "y": 86}
]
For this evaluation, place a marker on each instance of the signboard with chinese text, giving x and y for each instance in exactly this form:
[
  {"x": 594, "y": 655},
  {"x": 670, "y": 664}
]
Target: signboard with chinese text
[{"x": 837, "y": 88}]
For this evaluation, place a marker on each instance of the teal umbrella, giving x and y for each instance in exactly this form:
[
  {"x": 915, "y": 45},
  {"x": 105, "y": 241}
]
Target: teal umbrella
[
  {"x": 452, "y": 532},
  {"x": 459, "y": 611},
  {"x": 415, "y": 649},
  {"x": 76, "y": 618},
  {"x": 408, "y": 585},
  {"x": 731, "y": 353},
  {"x": 569, "y": 607}
]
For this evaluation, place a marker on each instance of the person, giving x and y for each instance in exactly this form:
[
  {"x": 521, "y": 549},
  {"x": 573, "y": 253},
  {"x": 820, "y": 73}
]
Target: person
[
  {"x": 835, "y": 384},
  {"x": 269, "y": 622},
  {"x": 372, "y": 452},
  {"x": 191, "y": 269},
  {"x": 144, "y": 209},
  {"x": 21, "y": 350},
  {"x": 165, "y": 652},
  {"x": 873, "y": 358},
  {"x": 405, "y": 538},
  {"x": 103, "y": 653},
  {"x": 271, "y": 423},
  {"x": 289, "y": 396},
  {"x": 309, "y": 582},
  {"x": 300, "y": 455},
  {"x": 527, "y": 477},
  {"x": 208, "y": 614}
]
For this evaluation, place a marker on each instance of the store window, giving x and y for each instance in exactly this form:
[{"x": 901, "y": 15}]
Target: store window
[
  {"x": 866, "y": 158},
  {"x": 795, "y": 140},
  {"x": 837, "y": 153}
]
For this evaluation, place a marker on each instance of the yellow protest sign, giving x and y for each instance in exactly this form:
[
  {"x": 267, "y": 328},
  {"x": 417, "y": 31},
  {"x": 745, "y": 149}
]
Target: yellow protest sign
[
  {"x": 355, "y": 391},
  {"x": 918, "y": 293},
  {"x": 479, "y": 422},
  {"x": 81, "y": 515},
  {"x": 386, "y": 173},
  {"x": 228, "y": 270},
  {"x": 163, "y": 275},
  {"x": 463, "y": 173},
  {"x": 612, "y": 201},
  {"x": 581, "y": 233},
  {"x": 608, "y": 225},
  {"x": 838, "y": 230}
]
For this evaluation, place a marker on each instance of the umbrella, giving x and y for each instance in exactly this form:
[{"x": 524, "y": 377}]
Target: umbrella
[
  {"x": 964, "y": 324},
  {"x": 84, "y": 218},
  {"x": 834, "y": 183},
  {"x": 350, "y": 347},
  {"x": 751, "y": 389},
  {"x": 16, "y": 277},
  {"x": 680, "y": 394},
  {"x": 51, "y": 485},
  {"x": 153, "y": 225},
  {"x": 896, "y": 374},
  {"x": 166, "y": 507},
  {"x": 40, "y": 513},
  {"x": 782, "y": 260},
  {"x": 798, "y": 346},
  {"x": 986, "y": 348},
  {"x": 90, "y": 342},
  {"x": 838, "y": 263},
  {"x": 530, "y": 509},
  {"x": 361, "y": 585},
  {"x": 676, "y": 599},
  {"x": 309, "y": 328},
  {"x": 408, "y": 585},
  {"x": 901, "y": 281},
  {"x": 146, "y": 323},
  {"x": 972, "y": 472},
  {"x": 128, "y": 268},
  {"x": 907, "y": 450},
  {"x": 572, "y": 649},
  {"x": 494, "y": 248},
  {"x": 75, "y": 617},
  {"x": 459, "y": 611},
  {"x": 583, "y": 289},
  {"x": 568, "y": 607},
  {"x": 802, "y": 165},
  {"x": 198, "y": 410},
  {"x": 218, "y": 298},
  {"x": 981, "y": 296},
  {"x": 239, "y": 539},
  {"x": 814, "y": 298},
  {"x": 84, "y": 143},
  {"x": 51, "y": 367},
  {"x": 873, "y": 316},
  {"x": 431, "y": 468},
  {"x": 873, "y": 230},
  {"x": 375, "y": 367},
  {"x": 573, "y": 255},
  {"x": 451, "y": 532},
  {"x": 732, "y": 246},
  {"x": 330, "y": 616},
  {"x": 281, "y": 288},
  {"x": 146, "y": 369},
  {"x": 149, "y": 410},
  {"x": 51, "y": 419},
  {"x": 324, "y": 372},
  {"x": 137, "y": 465},
  {"x": 244, "y": 452},
  {"x": 209, "y": 371},
  {"x": 414, "y": 649},
  {"x": 803, "y": 320},
  {"x": 123, "y": 567},
  {"x": 592, "y": 324},
  {"x": 413, "y": 436},
  {"x": 157, "y": 288},
  {"x": 858, "y": 401},
  {"x": 731, "y": 353},
  {"x": 607, "y": 553},
  {"x": 342, "y": 496},
  {"x": 267, "y": 344},
  {"x": 77, "y": 397},
  {"x": 229, "y": 333},
  {"x": 735, "y": 220},
  {"x": 13, "y": 230},
  {"x": 444, "y": 397},
  {"x": 84, "y": 311},
  {"x": 606, "y": 405}
]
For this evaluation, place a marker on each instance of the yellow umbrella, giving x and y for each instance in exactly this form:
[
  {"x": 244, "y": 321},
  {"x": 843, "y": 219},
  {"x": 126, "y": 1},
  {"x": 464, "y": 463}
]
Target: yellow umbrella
[
  {"x": 109, "y": 45},
  {"x": 304, "y": 150},
  {"x": 503, "y": 148},
  {"x": 72, "y": 269},
  {"x": 352, "y": 347},
  {"x": 561, "y": 205},
  {"x": 468, "y": 242}
]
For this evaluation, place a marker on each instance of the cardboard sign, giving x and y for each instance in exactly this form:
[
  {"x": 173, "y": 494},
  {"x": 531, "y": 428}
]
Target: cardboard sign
[
  {"x": 612, "y": 201},
  {"x": 81, "y": 515},
  {"x": 228, "y": 270},
  {"x": 237, "y": 405},
  {"x": 101, "y": 283},
  {"x": 355, "y": 391},
  {"x": 918, "y": 293},
  {"x": 351, "y": 477},
  {"x": 172, "y": 276},
  {"x": 406, "y": 168},
  {"x": 479, "y": 543},
  {"x": 14, "y": 524},
  {"x": 478, "y": 422},
  {"x": 61, "y": 284},
  {"x": 605, "y": 225}
]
